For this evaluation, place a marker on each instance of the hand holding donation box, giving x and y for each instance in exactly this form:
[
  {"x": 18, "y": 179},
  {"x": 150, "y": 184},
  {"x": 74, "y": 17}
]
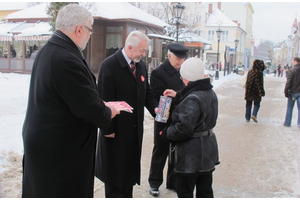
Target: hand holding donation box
[
  {"x": 120, "y": 105},
  {"x": 163, "y": 109}
]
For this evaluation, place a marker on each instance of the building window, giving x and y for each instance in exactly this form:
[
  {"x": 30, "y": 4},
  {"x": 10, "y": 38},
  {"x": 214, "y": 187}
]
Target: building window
[
  {"x": 4, "y": 49},
  {"x": 198, "y": 18},
  {"x": 130, "y": 29},
  {"x": 211, "y": 35},
  {"x": 113, "y": 39},
  {"x": 225, "y": 36},
  {"x": 198, "y": 32}
]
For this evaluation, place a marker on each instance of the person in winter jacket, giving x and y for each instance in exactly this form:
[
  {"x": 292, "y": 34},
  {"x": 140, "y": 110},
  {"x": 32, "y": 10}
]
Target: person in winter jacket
[
  {"x": 292, "y": 92},
  {"x": 254, "y": 89},
  {"x": 193, "y": 119}
]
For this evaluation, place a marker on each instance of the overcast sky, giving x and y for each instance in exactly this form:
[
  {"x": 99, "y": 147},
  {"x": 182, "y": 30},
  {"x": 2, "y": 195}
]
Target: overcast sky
[
  {"x": 271, "y": 20},
  {"x": 274, "y": 20}
]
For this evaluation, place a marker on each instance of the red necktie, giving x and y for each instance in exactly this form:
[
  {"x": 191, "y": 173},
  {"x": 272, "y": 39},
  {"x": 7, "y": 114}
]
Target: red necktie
[{"x": 132, "y": 67}]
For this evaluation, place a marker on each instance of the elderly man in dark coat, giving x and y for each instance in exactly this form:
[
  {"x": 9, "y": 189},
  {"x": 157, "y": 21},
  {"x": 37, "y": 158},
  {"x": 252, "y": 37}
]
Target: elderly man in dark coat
[
  {"x": 64, "y": 111},
  {"x": 166, "y": 76},
  {"x": 119, "y": 148}
]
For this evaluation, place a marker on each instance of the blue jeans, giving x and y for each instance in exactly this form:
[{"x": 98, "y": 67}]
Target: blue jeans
[
  {"x": 249, "y": 108},
  {"x": 289, "y": 110}
]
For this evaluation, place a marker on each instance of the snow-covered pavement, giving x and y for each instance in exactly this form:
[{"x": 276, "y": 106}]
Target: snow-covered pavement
[{"x": 257, "y": 159}]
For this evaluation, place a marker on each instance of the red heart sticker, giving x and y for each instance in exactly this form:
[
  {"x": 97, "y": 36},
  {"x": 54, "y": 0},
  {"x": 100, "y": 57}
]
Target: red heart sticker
[{"x": 142, "y": 78}]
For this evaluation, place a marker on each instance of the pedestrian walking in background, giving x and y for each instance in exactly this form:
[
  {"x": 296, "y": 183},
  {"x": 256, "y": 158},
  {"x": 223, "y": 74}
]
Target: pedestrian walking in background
[
  {"x": 123, "y": 77},
  {"x": 63, "y": 113},
  {"x": 254, "y": 89},
  {"x": 193, "y": 120},
  {"x": 281, "y": 71},
  {"x": 164, "y": 77},
  {"x": 287, "y": 71},
  {"x": 292, "y": 92}
]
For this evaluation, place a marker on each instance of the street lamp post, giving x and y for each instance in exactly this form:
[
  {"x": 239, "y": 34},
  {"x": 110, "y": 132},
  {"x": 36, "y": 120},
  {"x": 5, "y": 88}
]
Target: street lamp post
[
  {"x": 178, "y": 10},
  {"x": 228, "y": 58},
  {"x": 236, "y": 42},
  {"x": 225, "y": 60},
  {"x": 219, "y": 32}
]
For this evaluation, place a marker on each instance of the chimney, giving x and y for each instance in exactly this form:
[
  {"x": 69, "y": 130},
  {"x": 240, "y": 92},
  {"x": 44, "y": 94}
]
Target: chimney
[
  {"x": 210, "y": 8},
  {"x": 219, "y": 5}
]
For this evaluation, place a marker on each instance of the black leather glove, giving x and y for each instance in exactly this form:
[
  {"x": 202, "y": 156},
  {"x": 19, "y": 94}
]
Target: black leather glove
[
  {"x": 163, "y": 134},
  {"x": 286, "y": 94}
]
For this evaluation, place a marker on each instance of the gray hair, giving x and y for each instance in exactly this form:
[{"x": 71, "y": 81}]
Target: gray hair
[
  {"x": 71, "y": 16},
  {"x": 170, "y": 53},
  {"x": 134, "y": 38}
]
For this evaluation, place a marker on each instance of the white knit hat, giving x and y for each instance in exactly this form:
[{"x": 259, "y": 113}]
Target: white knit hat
[{"x": 192, "y": 69}]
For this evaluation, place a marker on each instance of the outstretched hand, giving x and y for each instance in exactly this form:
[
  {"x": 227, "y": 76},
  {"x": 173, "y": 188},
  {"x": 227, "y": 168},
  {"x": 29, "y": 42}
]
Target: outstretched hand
[
  {"x": 114, "y": 111},
  {"x": 169, "y": 93}
]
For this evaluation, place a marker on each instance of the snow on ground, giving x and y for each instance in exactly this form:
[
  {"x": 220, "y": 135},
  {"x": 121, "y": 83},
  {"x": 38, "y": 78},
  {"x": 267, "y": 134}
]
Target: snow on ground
[{"x": 13, "y": 104}]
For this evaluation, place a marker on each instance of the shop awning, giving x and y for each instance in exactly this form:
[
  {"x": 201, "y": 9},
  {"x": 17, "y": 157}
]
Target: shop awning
[
  {"x": 32, "y": 38},
  {"x": 5, "y": 38},
  {"x": 25, "y": 31},
  {"x": 5, "y": 28},
  {"x": 193, "y": 40},
  {"x": 164, "y": 37},
  {"x": 37, "y": 31}
]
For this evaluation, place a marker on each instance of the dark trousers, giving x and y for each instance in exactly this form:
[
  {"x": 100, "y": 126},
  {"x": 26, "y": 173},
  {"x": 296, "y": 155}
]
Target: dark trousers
[
  {"x": 159, "y": 156},
  {"x": 249, "y": 108},
  {"x": 158, "y": 161},
  {"x": 185, "y": 185},
  {"x": 118, "y": 192}
]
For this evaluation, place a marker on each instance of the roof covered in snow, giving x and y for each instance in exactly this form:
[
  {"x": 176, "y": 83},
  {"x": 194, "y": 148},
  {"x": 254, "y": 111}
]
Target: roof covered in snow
[
  {"x": 103, "y": 10},
  {"x": 25, "y": 29},
  {"x": 37, "y": 29},
  {"x": 5, "y": 28},
  {"x": 218, "y": 18},
  {"x": 124, "y": 10},
  {"x": 34, "y": 12},
  {"x": 4, "y": 6}
]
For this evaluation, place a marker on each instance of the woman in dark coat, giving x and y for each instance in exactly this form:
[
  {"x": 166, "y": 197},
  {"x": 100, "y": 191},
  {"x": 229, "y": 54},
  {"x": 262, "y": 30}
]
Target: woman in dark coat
[
  {"x": 254, "y": 89},
  {"x": 193, "y": 120},
  {"x": 64, "y": 111}
]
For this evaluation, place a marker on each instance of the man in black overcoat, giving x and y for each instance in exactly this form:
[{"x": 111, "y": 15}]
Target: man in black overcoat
[
  {"x": 63, "y": 113},
  {"x": 119, "y": 149},
  {"x": 166, "y": 76}
]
